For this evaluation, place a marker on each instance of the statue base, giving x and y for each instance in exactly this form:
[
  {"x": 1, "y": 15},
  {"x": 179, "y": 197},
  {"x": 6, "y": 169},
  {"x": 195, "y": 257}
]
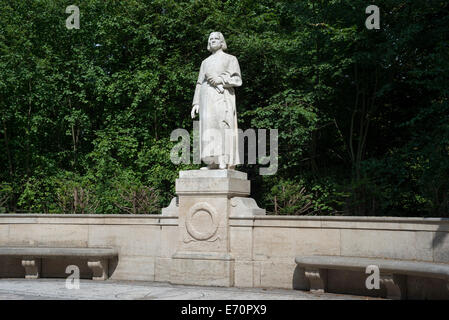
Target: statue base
[
  {"x": 207, "y": 199},
  {"x": 203, "y": 269}
]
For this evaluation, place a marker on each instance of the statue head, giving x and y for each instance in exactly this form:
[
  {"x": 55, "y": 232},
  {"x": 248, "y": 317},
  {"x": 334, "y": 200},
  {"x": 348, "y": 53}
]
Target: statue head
[{"x": 216, "y": 41}]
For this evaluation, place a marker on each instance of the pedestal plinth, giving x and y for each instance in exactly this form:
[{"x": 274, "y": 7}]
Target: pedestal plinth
[{"x": 206, "y": 200}]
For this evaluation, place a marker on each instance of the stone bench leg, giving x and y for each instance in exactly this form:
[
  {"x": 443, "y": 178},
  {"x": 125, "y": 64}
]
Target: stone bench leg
[
  {"x": 99, "y": 268},
  {"x": 395, "y": 284},
  {"x": 317, "y": 279},
  {"x": 32, "y": 267}
]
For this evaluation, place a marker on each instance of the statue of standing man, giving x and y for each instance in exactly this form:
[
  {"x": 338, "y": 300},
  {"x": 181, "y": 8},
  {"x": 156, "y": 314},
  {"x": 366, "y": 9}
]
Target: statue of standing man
[{"x": 214, "y": 100}]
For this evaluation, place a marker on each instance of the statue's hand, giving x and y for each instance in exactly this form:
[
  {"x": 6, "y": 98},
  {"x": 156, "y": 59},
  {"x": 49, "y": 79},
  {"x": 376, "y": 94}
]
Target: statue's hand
[
  {"x": 214, "y": 81},
  {"x": 194, "y": 110}
]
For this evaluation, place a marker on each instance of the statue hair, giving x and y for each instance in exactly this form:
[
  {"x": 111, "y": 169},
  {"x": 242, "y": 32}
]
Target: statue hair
[{"x": 222, "y": 39}]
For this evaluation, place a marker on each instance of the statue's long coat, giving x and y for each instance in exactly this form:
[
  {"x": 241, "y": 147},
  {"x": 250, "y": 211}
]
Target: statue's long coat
[{"x": 217, "y": 107}]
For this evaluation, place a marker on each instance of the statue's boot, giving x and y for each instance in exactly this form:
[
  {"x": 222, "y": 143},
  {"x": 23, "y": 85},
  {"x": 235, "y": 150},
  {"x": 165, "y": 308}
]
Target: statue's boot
[
  {"x": 210, "y": 167},
  {"x": 222, "y": 161}
]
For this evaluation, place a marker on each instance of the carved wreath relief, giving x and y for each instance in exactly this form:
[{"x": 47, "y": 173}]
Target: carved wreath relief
[{"x": 202, "y": 223}]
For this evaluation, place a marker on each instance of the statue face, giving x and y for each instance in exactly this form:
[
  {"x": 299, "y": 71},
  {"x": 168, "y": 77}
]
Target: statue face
[{"x": 214, "y": 41}]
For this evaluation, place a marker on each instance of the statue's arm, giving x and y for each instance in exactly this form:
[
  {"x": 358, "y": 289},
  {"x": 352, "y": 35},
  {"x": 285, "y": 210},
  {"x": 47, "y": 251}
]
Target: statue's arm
[
  {"x": 196, "y": 96},
  {"x": 233, "y": 77}
]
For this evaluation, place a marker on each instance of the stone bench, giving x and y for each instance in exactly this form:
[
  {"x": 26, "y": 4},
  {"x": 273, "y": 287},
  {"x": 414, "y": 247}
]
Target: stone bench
[
  {"x": 98, "y": 258},
  {"x": 392, "y": 272}
]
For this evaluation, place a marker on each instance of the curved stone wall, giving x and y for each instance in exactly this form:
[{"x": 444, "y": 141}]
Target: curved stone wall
[{"x": 263, "y": 247}]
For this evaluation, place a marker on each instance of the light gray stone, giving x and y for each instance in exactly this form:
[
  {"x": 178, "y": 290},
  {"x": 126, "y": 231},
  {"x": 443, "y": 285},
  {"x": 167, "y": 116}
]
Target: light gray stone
[
  {"x": 162, "y": 269},
  {"x": 275, "y": 274},
  {"x": 210, "y": 269},
  {"x": 317, "y": 279},
  {"x": 245, "y": 207},
  {"x": 168, "y": 241},
  {"x": 50, "y": 235},
  {"x": 57, "y": 251},
  {"x": 32, "y": 258},
  {"x": 440, "y": 245},
  {"x": 241, "y": 243},
  {"x": 99, "y": 268},
  {"x": 214, "y": 100},
  {"x": 135, "y": 268},
  {"x": 415, "y": 268},
  {"x": 264, "y": 247},
  {"x": 243, "y": 274},
  {"x": 130, "y": 240},
  {"x": 55, "y": 289},
  {"x": 394, "y": 244},
  {"x": 218, "y": 173},
  {"x": 4, "y": 231},
  {"x": 212, "y": 186},
  {"x": 32, "y": 268},
  {"x": 423, "y": 245},
  {"x": 203, "y": 251},
  {"x": 284, "y": 244},
  {"x": 172, "y": 209},
  {"x": 395, "y": 284},
  {"x": 392, "y": 272}
]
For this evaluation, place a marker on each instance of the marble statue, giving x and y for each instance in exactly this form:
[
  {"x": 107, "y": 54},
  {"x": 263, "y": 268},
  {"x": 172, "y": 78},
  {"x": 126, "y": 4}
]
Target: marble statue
[{"x": 214, "y": 100}]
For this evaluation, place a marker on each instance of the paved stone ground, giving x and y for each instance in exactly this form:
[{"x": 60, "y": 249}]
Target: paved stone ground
[{"x": 45, "y": 289}]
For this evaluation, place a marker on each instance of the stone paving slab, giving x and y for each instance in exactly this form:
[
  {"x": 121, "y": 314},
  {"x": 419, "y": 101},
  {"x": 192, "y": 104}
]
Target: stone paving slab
[{"x": 55, "y": 289}]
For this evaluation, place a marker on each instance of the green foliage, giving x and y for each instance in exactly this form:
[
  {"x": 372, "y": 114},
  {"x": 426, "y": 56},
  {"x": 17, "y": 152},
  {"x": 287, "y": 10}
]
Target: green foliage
[
  {"x": 362, "y": 114},
  {"x": 295, "y": 117},
  {"x": 293, "y": 197},
  {"x": 74, "y": 194},
  {"x": 5, "y": 195},
  {"x": 290, "y": 198}
]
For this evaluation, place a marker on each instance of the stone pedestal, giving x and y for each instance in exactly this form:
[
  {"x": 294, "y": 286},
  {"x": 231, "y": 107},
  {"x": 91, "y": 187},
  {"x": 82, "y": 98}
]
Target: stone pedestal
[{"x": 207, "y": 198}]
